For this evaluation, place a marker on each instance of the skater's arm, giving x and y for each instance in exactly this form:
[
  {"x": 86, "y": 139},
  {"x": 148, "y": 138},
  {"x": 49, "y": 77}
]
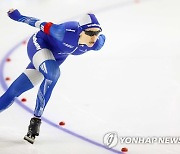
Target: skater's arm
[
  {"x": 99, "y": 43},
  {"x": 16, "y": 15},
  {"x": 57, "y": 31}
]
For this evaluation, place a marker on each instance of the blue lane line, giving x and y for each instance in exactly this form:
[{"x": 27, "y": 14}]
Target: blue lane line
[{"x": 5, "y": 87}]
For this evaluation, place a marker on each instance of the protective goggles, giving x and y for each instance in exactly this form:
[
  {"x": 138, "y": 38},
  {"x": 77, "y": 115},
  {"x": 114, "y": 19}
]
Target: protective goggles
[{"x": 92, "y": 33}]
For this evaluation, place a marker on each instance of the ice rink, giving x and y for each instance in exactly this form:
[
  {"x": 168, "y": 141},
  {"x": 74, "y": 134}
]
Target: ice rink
[{"x": 131, "y": 86}]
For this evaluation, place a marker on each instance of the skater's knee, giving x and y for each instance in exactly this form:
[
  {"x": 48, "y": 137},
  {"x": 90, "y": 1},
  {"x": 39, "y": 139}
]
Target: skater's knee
[
  {"x": 54, "y": 75},
  {"x": 50, "y": 70}
]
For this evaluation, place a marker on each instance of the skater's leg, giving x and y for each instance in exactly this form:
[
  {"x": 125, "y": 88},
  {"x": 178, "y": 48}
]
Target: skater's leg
[
  {"x": 44, "y": 61},
  {"x": 24, "y": 82},
  {"x": 50, "y": 70}
]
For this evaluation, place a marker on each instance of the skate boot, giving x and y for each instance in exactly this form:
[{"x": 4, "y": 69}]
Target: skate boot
[{"x": 33, "y": 130}]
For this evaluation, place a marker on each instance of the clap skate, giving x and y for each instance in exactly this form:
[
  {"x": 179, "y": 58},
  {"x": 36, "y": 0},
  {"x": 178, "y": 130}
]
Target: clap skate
[{"x": 33, "y": 130}]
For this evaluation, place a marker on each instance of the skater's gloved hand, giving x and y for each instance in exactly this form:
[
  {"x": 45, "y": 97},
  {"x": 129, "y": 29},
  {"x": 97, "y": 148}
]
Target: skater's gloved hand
[{"x": 14, "y": 14}]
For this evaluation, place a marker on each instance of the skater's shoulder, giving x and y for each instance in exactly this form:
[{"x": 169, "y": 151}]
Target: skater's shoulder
[{"x": 71, "y": 25}]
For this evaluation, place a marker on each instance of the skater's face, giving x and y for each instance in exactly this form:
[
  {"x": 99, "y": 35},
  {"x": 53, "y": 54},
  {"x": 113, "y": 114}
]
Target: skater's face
[{"x": 89, "y": 36}]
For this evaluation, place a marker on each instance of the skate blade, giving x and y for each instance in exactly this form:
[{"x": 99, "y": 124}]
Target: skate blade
[{"x": 30, "y": 140}]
